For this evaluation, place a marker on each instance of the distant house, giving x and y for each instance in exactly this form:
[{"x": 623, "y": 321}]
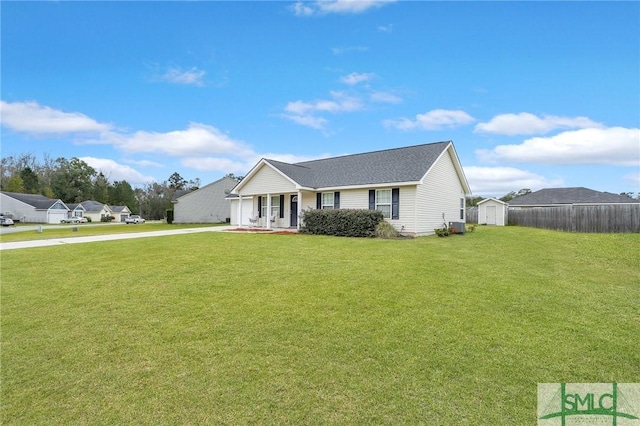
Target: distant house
[
  {"x": 77, "y": 210},
  {"x": 120, "y": 213},
  {"x": 492, "y": 211},
  {"x": 417, "y": 188},
  {"x": 33, "y": 208},
  {"x": 96, "y": 210},
  {"x": 204, "y": 205},
  {"x": 558, "y": 197}
]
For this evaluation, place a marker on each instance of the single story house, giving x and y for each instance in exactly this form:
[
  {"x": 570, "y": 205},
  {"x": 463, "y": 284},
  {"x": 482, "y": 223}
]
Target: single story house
[
  {"x": 96, "y": 210},
  {"x": 558, "y": 197},
  {"x": 417, "y": 188},
  {"x": 205, "y": 205},
  {"x": 33, "y": 208},
  {"x": 76, "y": 210},
  {"x": 120, "y": 213},
  {"x": 492, "y": 211}
]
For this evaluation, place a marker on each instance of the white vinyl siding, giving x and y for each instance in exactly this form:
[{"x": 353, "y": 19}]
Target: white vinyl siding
[
  {"x": 439, "y": 195},
  {"x": 268, "y": 181}
]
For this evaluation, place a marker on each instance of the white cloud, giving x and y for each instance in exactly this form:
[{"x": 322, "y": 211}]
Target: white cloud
[
  {"x": 432, "y": 120},
  {"x": 526, "y": 123},
  {"x": 385, "y": 97},
  {"x": 117, "y": 172},
  {"x": 617, "y": 146},
  {"x": 324, "y": 7},
  {"x": 347, "y": 49},
  {"x": 355, "y": 78},
  {"x": 197, "y": 139},
  {"x": 34, "y": 119},
  {"x": 176, "y": 75},
  {"x": 498, "y": 181},
  {"x": 386, "y": 28},
  {"x": 217, "y": 164},
  {"x": 143, "y": 163},
  {"x": 307, "y": 113}
]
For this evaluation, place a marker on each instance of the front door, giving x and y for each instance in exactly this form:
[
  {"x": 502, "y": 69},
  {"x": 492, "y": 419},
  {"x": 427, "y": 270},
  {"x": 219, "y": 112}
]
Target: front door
[{"x": 294, "y": 211}]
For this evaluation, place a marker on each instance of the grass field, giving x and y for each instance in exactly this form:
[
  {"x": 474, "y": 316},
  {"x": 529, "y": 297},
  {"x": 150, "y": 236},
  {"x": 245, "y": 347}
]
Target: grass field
[{"x": 224, "y": 328}]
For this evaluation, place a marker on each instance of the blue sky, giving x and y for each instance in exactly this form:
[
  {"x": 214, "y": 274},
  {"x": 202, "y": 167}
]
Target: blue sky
[{"x": 533, "y": 94}]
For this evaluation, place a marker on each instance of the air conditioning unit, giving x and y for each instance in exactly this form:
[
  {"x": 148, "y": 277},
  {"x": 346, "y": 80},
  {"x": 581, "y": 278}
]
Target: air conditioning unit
[{"x": 458, "y": 226}]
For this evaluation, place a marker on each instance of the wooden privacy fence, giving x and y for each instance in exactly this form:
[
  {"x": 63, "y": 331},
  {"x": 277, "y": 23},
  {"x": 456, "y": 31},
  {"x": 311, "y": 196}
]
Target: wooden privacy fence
[{"x": 618, "y": 218}]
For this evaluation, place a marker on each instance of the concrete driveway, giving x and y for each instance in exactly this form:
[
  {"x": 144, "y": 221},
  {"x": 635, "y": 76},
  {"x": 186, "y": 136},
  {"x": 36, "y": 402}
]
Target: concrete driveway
[{"x": 96, "y": 238}]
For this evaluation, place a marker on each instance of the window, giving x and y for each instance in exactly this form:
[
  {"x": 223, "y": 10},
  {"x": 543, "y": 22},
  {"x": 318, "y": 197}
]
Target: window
[
  {"x": 327, "y": 201},
  {"x": 383, "y": 202},
  {"x": 387, "y": 201},
  {"x": 275, "y": 206},
  {"x": 461, "y": 208}
]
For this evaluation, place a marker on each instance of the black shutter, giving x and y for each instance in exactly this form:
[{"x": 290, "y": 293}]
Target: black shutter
[
  {"x": 259, "y": 206},
  {"x": 372, "y": 199},
  {"x": 395, "y": 203},
  {"x": 282, "y": 206},
  {"x": 318, "y": 201},
  {"x": 336, "y": 200}
]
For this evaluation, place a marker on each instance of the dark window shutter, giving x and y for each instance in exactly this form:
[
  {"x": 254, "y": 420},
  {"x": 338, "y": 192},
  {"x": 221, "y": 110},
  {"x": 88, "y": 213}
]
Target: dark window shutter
[
  {"x": 336, "y": 200},
  {"x": 282, "y": 206},
  {"x": 259, "y": 206},
  {"x": 395, "y": 203},
  {"x": 372, "y": 199},
  {"x": 318, "y": 200}
]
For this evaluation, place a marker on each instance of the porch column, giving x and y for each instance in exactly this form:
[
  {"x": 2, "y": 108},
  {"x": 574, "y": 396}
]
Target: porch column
[
  {"x": 268, "y": 215},
  {"x": 239, "y": 210},
  {"x": 299, "y": 212}
]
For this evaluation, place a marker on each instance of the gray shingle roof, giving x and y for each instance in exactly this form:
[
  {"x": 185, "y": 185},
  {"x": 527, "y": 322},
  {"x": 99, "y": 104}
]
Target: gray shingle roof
[
  {"x": 578, "y": 195},
  {"x": 92, "y": 206},
  {"x": 408, "y": 164},
  {"x": 40, "y": 202}
]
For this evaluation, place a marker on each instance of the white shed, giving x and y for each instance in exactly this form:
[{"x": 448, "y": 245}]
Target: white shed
[{"x": 492, "y": 212}]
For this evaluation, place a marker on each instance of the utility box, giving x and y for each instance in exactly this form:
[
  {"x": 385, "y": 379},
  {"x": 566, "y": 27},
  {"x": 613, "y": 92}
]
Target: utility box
[{"x": 458, "y": 226}]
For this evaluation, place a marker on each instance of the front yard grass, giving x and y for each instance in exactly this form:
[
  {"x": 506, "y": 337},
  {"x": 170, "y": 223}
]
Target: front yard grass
[
  {"x": 91, "y": 229},
  {"x": 224, "y": 328}
]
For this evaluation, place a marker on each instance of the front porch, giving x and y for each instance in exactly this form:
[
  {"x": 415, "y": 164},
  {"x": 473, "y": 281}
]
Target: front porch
[{"x": 279, "y": 211}]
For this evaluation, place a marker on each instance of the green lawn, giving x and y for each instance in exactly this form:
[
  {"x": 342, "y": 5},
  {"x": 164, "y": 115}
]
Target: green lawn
[
  {"x": 88, "y": 229},
  {"x": 224, "y": 328}
]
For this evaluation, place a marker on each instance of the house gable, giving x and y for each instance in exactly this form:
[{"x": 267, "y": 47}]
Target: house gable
[{"x": 263, "y": 179}]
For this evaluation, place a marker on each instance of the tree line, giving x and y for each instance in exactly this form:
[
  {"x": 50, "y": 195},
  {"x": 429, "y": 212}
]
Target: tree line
[{"x": 74, "y": 181}]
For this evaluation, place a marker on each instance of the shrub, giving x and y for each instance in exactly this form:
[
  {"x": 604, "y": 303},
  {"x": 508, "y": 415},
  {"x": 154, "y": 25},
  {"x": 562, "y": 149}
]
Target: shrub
[
  {"x": 169, "y": 217},
  {"x": 341, "y": 222},
  {"x": 471, "y": 228},
  {"x": 442, "y": 232},
  {"x": 386, "y": 230},
  {"x": 107, "y": 218}
]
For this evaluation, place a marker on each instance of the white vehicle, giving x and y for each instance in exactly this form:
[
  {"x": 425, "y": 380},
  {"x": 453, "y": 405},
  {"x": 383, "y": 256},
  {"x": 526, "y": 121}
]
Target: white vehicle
[
  {"x": 134, "y": 219},
  {"x": 6, "y": 221},
  {"x": 75, "y": 219}
]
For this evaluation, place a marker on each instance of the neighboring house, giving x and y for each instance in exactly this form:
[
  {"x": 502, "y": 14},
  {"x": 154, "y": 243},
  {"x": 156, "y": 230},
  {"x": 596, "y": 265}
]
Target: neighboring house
[
  {"x": 76, "y": 210},
  {"x": 557, "y": 197},
  {"x": 417, "y": 188},
  {"x": 96, "y": 210},
  {"x": 120, "y": 213},
  {"x": 33, "y": 208},
  {"x": 204, "y": 205},
  {"x": 492, "y": 212}
]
